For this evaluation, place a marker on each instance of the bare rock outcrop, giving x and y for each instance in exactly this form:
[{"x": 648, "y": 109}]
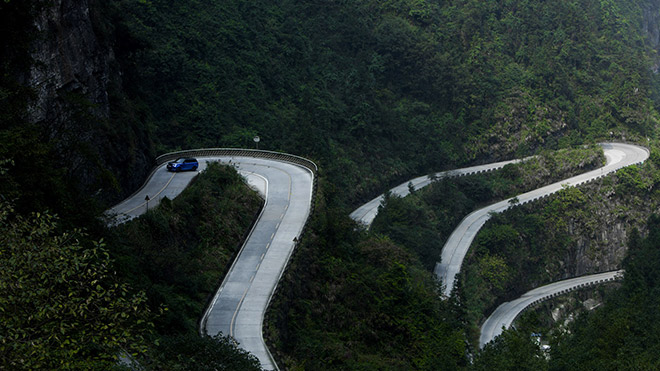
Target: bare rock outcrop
[{"x": 72, "y": 74}]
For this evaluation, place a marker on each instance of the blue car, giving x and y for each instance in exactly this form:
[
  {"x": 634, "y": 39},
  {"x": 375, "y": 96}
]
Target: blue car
[{"x": 183, "y": 164}]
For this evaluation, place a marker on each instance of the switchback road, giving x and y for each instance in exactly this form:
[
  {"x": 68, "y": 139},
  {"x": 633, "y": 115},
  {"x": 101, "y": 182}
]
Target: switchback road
[
  {"x": 239, "y": 305},
  {"x": 507, "y": 312},
  {"x": 618, "y": 155},
  {"x": 366, "y": 213}
]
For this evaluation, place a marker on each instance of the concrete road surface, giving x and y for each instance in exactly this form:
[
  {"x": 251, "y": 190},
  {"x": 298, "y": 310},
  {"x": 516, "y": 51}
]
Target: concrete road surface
[
  {"x": 506, "y": 313},
  {"x": 239, "y": 305},
  {"x": 618, "y": 155},
  {"x": 162, "y": 183},
  {"x": 366, "y": 213}
]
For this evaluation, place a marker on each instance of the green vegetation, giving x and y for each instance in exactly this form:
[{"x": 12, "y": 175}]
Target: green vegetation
[
  {"x": 69, "y": 302},
  {"x": 178, "y": 254},
  {"x": 621, "y": 334},
  {"x": 360, "y": 300},
  {"x": 423, "y": 221},
  {"x": 379, "y": 91},
  {"x": 191, "y": 352},
  {"x": 355, "y": 301},
  {"x": 572, "y": 233},
  {"x": 61, "y": 306},
  {"x": 514, "y": 349},
  {"x": 374, "y": 92}
]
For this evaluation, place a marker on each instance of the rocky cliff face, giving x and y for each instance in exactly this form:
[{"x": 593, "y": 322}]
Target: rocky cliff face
[
  {"x": 68, "y": 60},
  {"x": 72, "y": 75},
  {"x": 651, "y": 28},
  {"x": 601, "y": 239}
]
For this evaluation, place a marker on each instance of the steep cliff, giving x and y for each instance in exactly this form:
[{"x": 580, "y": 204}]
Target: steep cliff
[
  {"x": 68, "y": 60},
  {"x": 651, "y": 28},
  {"x": 614, "y": 206},
  {"x": 78, "y": 89}
]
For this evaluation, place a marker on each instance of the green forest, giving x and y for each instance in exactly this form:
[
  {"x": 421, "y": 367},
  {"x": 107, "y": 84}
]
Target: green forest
[
  {"x": 621, "y": 335},
  {"x": 374, "y": 92},
  {"x": 414, "y": 86}
]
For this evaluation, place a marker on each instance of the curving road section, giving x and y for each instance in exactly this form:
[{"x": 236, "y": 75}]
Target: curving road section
[
  {"x": 618, "y": 155},
  {"x": 239, "y": 306},
  {"x": 162, "y": 183},
  {"x": 507, "y": 312},
  {"x": 366, "y": 213},
  {"x": 240, "y": 303}
]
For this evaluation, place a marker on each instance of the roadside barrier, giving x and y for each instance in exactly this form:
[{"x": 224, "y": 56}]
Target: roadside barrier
[
  {"x": 617, "y": 277},
  {"x": 262, "y": 154},
  {"x": 238, "y": 152}
]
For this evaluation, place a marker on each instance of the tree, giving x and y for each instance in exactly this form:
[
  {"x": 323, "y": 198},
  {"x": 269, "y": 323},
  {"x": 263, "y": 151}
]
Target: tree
[
  {"x": 60, "y": 304},
  {"x": 511, "y": 350},
  {"x": 194, "y": 352}
]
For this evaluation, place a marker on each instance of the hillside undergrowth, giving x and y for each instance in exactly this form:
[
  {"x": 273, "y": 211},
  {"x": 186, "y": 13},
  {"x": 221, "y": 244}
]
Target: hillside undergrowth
[
  {"x": 379, "y": 92},
  {"x": 178, "y": 253},
  {"x": 423, "y": 221},
  {"x": 580, "y": 230}
]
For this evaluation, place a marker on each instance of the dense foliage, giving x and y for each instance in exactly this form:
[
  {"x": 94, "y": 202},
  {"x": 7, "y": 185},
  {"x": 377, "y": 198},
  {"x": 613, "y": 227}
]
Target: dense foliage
[
  {"x": 424, "y": 220},
  {"x": 353, "y": 301},
  {"x": 408, "y": 85},
  {"x": 621, "y": 334},
  {"x": 68, "y": 302},
  {"x": 514, "y": 349},
  {"x": 374, "y": 91},
  {"x": 61, "y": 306},
  {"x": 624, "y": 333},
  {"x": 572, "y": 233},
  {"x": 178, "y": 254},
  {"x": 191, "y": 352}
]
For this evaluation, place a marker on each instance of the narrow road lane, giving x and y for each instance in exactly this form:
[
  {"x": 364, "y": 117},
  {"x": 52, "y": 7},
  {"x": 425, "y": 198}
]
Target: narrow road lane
[
  {"x": 507, "y": 312},
  {"x": 366, "y": 213},
  {"x": 239, "y": 305},
  {"x": 618, "y": 155}
]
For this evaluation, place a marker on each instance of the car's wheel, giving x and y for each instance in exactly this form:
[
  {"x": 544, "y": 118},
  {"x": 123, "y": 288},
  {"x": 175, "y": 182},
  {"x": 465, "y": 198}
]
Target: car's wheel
[{"x": 194, "y": 168}]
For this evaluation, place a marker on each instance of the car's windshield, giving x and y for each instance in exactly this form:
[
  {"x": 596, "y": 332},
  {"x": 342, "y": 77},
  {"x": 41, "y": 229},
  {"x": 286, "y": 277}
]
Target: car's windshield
[{"x": 179, "y": 160}]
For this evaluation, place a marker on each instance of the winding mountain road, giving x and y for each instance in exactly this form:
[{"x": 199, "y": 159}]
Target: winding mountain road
[
  {"x": 507, "y": 312},
  {"x": 618, "y": 155},
  {"x": 366, "y": 213},
  {"x": 239, "y": 305}
]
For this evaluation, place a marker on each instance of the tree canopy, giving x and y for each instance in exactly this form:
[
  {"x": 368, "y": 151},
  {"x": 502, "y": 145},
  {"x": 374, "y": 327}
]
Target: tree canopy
[{"x": 61, "y": 305}]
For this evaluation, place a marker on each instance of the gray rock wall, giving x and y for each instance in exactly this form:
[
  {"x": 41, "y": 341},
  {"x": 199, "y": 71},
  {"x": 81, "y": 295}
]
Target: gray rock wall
[
  {"x": 68, "y": 59},
  {"x": 71, "y": 76},
  {"x": 651, "y": 28},
  {"x": 601, "y": 238}
]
